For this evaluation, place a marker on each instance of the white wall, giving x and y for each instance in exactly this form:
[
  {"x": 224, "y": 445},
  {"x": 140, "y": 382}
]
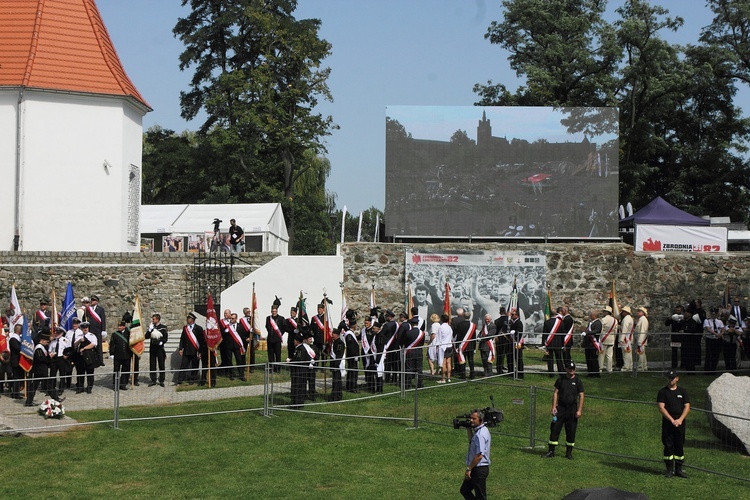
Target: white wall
[
  {"x": 8, "y": 100},
  {"x": 64, "y": 185},
  {"x": 284, "y": 277}
]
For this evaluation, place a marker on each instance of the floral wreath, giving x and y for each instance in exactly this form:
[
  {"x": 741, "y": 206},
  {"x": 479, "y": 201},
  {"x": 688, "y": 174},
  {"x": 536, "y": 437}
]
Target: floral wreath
[{"x": 51, "y": 408}]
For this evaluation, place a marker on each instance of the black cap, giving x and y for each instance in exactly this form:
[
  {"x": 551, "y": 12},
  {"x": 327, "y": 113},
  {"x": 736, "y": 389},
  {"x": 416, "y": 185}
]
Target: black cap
[
  {"x": 43, "y": 302},
  {"x": 390, "y": 314},
  {"x": 95, "y": 297},
  {"x": 414, "y": 320},
  {"x": 570, "y": 365},
  {"x": 122, "y": 323},
  {"x": 276, "y": 302},
  {"x": 85, "y": 324},
  {"x": 672, "y": 374},
  {"x": 192, "y": 315},
  {"x": 59, "y": 329}
]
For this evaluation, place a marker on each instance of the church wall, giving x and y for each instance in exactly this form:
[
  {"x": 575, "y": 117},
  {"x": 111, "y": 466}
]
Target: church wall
[
  {"x": 65, "y": 186},
  {"x": 8, "y": 101}
]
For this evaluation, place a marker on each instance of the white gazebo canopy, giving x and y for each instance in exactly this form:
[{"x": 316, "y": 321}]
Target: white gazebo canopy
[{"x": 265, "y": 220}]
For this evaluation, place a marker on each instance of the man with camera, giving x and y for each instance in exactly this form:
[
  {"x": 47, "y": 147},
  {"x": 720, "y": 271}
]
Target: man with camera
[{"x": 477, "y": 458}]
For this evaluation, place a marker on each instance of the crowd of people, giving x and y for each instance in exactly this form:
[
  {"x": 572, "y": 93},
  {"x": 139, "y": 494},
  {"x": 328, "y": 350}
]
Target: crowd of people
[{"x": 372, "y": 345}]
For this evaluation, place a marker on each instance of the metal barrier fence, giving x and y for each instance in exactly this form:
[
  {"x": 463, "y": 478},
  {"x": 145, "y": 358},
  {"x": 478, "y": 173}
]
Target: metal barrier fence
[{"x": 268, "y": 391}]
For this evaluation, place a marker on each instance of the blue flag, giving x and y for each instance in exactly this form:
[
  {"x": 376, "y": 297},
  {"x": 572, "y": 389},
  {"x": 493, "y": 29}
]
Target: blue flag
[
  {"x": 27, "y": 347},
  {"x": 68, "y": 311}
]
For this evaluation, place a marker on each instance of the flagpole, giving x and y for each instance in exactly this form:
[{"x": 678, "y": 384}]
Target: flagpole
[
  {"x": 325, "y": 325},
  {"x": 251, "y": 341}
]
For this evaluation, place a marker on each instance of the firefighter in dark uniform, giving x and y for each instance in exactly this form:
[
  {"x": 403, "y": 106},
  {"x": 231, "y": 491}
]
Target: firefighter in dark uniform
[
  {"x": 674, "y": 406},
  {"x": 338, "y": 350},
  {"x": 567, "y": 408}
]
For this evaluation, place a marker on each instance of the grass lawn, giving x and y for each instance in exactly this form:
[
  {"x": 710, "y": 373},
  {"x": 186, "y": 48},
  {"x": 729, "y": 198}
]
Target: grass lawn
[{"x": 297, "y": 455}]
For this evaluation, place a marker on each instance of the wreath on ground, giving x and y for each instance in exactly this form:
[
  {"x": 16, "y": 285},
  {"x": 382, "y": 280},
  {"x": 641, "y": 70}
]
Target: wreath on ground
[{"x": 51, "y": 409}]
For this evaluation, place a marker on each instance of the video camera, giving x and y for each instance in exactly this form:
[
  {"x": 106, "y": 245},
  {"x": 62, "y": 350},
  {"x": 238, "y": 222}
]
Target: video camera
[
  {"x": 492, "y": 417},
  {"x": 216, "y": 224}
]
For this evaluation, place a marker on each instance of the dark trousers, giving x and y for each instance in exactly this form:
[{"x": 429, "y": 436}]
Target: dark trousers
[
  {"x": 673, "y": 439},
  {"x": 469, "y": 357},
  {"x": 274, "y": 355},
  {"x": 310, "y": 382},
  {"x": 504, "y": 352},
  {"x": 555, "y": 360},
  {"x": 486, "y": 365},
  {"x": 476, "y": 486},
  {"x": 730, "y": 356},
  {"x": 299, "y": 381},
  {"x": 414, "y": 368},
  {"x": 336, "y": 389},
  {"x": 713, "y": 349},
  {"x": 34, "y": 384},
  {"x": 592, "y": 357},
  {"x": 122, "y": 366},
  {"x": 188, "y": 368},
  {"x": 239, "y": 363},
  {"x": 160, "y": 359},
  {"x": 351, "y": 374},
  {"x": 370, "y": 376},
  {"x": 58, "y": 368},
  {"x": 566, "y": 417},
  {"x": 511, "y": 364}
]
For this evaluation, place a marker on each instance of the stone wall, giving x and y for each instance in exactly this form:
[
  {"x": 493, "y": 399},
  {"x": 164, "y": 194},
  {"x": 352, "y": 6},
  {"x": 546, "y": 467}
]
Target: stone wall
[
  {"x": 161, "y": 280},
  {"x": 579, "y": 274}
]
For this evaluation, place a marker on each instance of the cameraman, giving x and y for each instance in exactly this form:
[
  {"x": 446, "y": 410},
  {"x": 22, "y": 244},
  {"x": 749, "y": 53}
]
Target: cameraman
[{"x": 477, "y": 458}]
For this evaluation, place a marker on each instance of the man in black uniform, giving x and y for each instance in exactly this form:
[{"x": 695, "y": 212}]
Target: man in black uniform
[
  {"x": 413, "y": 343},
  {"x": 674, "y": 406},
  {"x": 119, "y": 351},
  {"x": 97, "y": 318},
  {"x": 553, "y": 341},
  {"x": 503, "y": 342},
  {"x": 388, "y": 332},
  {"x": 299, "y": 372},
  {"x": 190, "y": 350},
  {"x": 515, "y": 330},
  {"x": 274, "y": 335},
  {"x": 338, "y": 350},
  {"x": 40, "y": 370},
  {"x": 352, "y": 353},
  {"x": 567, "y": 408},
  {"x": 367, "y": 340},
  {"x": 591, "y": 345},
  {"x": 156, "y": 353}
]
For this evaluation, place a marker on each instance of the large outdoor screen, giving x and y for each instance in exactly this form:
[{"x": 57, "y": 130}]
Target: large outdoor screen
[{"x": 501, "y": 172}]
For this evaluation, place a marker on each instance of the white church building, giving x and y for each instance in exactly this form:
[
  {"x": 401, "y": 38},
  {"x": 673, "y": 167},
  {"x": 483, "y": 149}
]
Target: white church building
[{"x": 71, "y": 123}]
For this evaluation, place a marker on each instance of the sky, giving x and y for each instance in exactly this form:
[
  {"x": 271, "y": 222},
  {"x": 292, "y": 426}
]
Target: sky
[{"x": 384, "y": 53}]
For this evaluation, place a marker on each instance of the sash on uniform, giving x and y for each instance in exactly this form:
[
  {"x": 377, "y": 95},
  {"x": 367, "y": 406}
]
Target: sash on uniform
[
  {"x": 551, "y": 335},
  {"x": 611, "y": 328},
  {"x": 419, "y": 339},
  {"x": 91, "y": 314},
  {"x": 465, "y": 343},
  {"x": 237, "y": 339},
  {"x": 191, "y": 337},
  {"x": 292, "y": 322},
  {"x": 381, "y": 363},
  {"x": 490, "y": 344},
  {"x": 569, "y": 335},
  {"x": 275, "y": 327},
  {"x": 41, "y": 316},
  {"x": 319, "y": 323},
  {"x": 311, "y": 353},
  {"x": 596, "y": 343}
]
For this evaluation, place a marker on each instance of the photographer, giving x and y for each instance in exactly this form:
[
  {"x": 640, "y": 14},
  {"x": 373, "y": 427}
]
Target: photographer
[{"x": 477, "y": 458}]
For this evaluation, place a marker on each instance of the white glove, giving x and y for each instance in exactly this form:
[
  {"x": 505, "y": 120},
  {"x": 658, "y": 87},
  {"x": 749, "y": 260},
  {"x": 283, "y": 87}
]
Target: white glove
[
  {"x": 696, "y": 318},
  {"x": 104, "y": 335},
  {"x": 583, "y": 334},
  {"x": 676, "y": 317},
  {"x": 156, "y": 335}
]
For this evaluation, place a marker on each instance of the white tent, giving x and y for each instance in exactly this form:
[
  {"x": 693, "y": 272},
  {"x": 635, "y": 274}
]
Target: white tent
[{"x": 263, "y": 223}]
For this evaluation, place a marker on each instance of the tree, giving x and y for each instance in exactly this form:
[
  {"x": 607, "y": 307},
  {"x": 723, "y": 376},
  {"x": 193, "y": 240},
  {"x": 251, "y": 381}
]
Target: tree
[
  {"x": 681, "y": 136},
  {"x": 258, "y": 76},
  {"x": 564, "y": 49},
  {"x": 730, "y": 30}
]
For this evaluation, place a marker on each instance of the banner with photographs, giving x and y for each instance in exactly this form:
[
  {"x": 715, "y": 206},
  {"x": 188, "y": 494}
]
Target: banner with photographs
[{"x": 480, "y": 282}]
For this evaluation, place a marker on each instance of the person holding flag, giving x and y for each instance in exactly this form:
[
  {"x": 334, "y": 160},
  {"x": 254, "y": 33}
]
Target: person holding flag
[
  {"x": 14, "y": 345},
  {"x": 40, "y": 369},
  {"x": 97, "y": 319},
  {"x": 212, "y": 338},
  {"x": 515, "y": 329},
  {"x": 119, "y": 351},
  {"x": 337, "y": 364},
  {"x": 41, "y": 318},
  {"x": 290, "y": 326},
  {"x": 609, "y": 333}
]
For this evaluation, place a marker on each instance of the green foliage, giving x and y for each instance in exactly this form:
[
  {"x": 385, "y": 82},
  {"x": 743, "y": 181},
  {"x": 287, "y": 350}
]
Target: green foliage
[
  {"x": 681, "y": 136},
  {"x": 257, "y": 74}
]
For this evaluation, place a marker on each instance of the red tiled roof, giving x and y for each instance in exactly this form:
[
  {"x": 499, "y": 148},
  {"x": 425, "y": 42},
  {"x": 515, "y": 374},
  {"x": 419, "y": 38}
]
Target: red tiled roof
[{"x": 60, "y": 45}]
